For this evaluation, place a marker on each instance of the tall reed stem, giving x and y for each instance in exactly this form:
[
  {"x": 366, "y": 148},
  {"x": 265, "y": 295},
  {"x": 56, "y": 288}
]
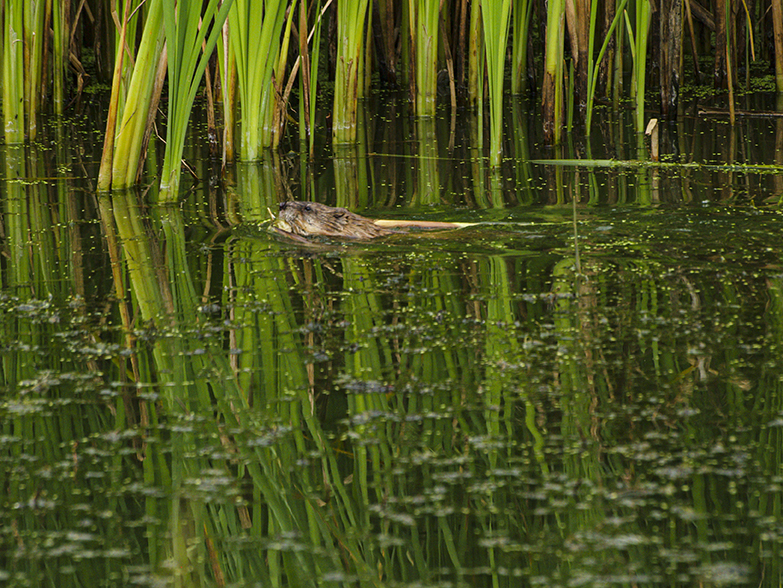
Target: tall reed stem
[
  {"x": 107, "y": 156},
  {"x": 594, "y": 67},
  {"x": 351, "y": 18},
  {"x": 729, "y": 72},
  {"x": 521, "y": 13},
  {"x": 191, "y": 37},
  {"x": 496, "y": 16},
  {"x": 13, "y": 71},
  {"x": 312, "y": 75},
  {"x": 34, "y": 33},
  {"x": 254, "y": 29},
  {"x": 60, "y": 36},
  {"x": 125, "y": 153},
  {"x": 552, "y": 92},
  {"x": 638, "y": 37},
  {"x": 228, "y": 82},
  {"x": 423, "y": 16}
]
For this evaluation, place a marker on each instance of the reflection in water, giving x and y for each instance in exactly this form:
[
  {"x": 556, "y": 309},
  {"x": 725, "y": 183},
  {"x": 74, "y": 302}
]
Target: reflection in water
[{"x": 184, "y": 404}]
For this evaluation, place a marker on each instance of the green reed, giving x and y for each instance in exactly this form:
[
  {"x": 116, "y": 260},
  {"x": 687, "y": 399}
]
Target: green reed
[
  {"x": 123, "y": 151},
  {"x": 423, "y": 16},
  {"x": 350, "y": 64},
  {"x": 308, "y": 80},
  {"x": 281, "y": 85},
  {"x": 496, "y": 18},
  {"x": 552, "y": 91},
  {"x": 227, "y": 73},
  {"x": 521, "y": 13},
  {"x": 729, "y": 69},
  {"x": 60, "y": 38},
  {"x": 191, "y": 36},
  {"x": 638, "y": 37},
  {"x": 34, "y": 34},
  {"x": 267, "y": 67},
  {"x": 105, "y": 170},
  {"x": 593, "y": 66},
  {"x": 129, "y": 15},
  {"x": 254, "y": 30},
  {"x": 24, "y": 29},
  {"x": 13, "y": 72}
]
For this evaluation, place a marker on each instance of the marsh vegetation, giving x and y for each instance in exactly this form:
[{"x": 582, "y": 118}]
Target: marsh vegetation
[
  {"x": 579, "y": 388},
  {"x": 280, "y": 70}
]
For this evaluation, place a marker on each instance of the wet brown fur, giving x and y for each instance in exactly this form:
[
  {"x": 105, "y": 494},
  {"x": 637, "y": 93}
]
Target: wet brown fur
[{"x": 310, "y": 219}]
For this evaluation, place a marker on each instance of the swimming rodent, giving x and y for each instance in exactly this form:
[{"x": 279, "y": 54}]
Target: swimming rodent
[{"x": 311, "y": 219}]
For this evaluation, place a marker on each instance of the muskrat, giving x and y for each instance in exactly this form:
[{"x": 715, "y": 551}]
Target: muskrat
[{"x": 310, "y": 219}]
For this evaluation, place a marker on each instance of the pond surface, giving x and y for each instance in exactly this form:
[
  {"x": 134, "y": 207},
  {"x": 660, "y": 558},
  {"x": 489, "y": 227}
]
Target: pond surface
[{"x": 583, "y": 389}]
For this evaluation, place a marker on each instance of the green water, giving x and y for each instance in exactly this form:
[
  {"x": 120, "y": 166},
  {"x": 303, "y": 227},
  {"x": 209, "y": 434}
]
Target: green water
[{"x": 584, "y": 389}]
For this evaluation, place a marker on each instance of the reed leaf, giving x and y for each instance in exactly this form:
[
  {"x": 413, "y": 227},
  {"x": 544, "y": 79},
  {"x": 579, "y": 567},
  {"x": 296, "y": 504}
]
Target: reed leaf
[
  {"x": 351, "y": 19},
  {"x": 521, "y": 12},
  {"x": 34, "y": 34},
  {"x": 496, "y": 18},
  {"x": 191, "y": 36},
  {"x": 423, "y": 15},
  {"x": 552, "y": 92},
  {"x": 254, "y": 30},
  {"x": 123, "y": 153},
  {"x": 638, "y": 36},
  {"x": 227, "y": 69},
  {"x": 105, "y": 170},
  {"x": 130, "y": 15},
  {"x": 282, "y": 90},
  {"x": 305, "y": 110},
  {"x": 60, "y": 37},
  {"x": 593, "y": 67},
  {"x": 312, "y": 60}
]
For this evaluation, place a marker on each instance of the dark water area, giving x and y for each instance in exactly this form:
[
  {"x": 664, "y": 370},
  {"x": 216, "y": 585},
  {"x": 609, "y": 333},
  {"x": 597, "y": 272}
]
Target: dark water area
[{"x": 584, "y": 388}]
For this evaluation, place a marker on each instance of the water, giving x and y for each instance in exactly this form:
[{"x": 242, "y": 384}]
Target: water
[{"x": 581, "y": 390}]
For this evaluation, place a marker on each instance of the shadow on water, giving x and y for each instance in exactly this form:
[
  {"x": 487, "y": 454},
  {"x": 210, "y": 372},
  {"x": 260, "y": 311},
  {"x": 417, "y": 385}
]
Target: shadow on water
[{"x": 581, "y": 390}]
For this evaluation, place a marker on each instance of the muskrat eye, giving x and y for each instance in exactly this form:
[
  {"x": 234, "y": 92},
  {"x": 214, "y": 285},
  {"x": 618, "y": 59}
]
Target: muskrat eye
[
  {"x": 282, "y": 205},
  {"x": 307, "y": 208}
]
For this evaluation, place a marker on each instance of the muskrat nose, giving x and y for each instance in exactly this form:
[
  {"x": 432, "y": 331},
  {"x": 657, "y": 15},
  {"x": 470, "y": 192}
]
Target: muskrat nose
[{"x": 283, "y": 205}]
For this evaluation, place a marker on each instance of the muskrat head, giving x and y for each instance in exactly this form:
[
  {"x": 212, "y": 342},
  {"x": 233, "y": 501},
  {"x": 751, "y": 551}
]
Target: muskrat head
[{"x": 310, "y": 219}]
